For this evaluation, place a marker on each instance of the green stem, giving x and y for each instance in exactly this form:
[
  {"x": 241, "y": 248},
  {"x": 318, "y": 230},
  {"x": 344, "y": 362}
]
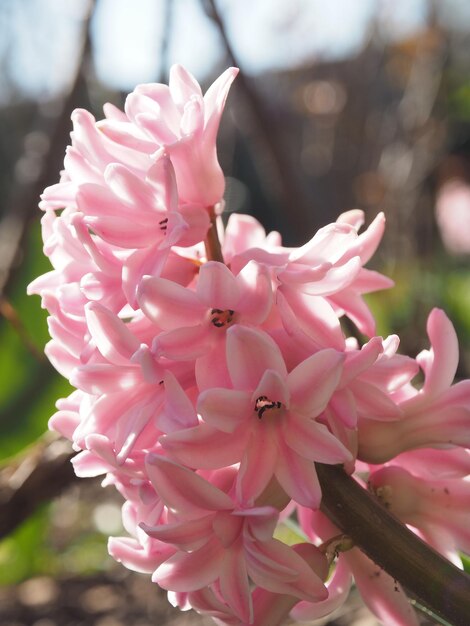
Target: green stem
[{"x": 430, "y": 578}]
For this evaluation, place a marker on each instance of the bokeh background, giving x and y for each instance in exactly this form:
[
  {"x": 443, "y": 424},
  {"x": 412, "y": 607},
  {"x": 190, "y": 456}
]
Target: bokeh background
[{"x": 339, "y": 105}]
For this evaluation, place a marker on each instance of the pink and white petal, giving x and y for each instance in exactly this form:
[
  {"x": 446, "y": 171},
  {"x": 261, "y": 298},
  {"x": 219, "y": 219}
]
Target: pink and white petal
[
  {"x": 343, "y": 407},
  {"x": 225, "y": 409},
  {"x": 110, "y": 334},
  {"x": 250, "y": 353},
  {"x": 189, "y": 572},
  {"x": 274, "y": 387},
  {"x": 257, "y": 466},
  {"x": 338, "y": 585},
  {"x": 328, "y": 244},
  {"x": 445, "y": 351},
  {"x": 183, "y": 86},
  {"x": 313, "y": 381},
  {"x": 150, "y": 260},
  {"x": 350, "y": 303},
  {"x": 123, "y": 232},
  {"x": 368, "y": 241},
  {"x": 178, "y": 411},
  {"x": 256, "y": 292},
  {"x": 214, "y": 102},
  {"x": 161, "y": 178},
  {"x": 217, "y": 286},
  {"x": 198, "y": 222},
  {"x": 211, "y": 368},
  {"x": 380, "y": 592},
  {"x": 312, "y": 315},
  {"x": 354, "y": 217},
  {"x": 129, "y": 188},
  {"x": 86, "y": 464},
  {"x": 373, "y": 403},
  {"x": 183, "y": 344},
  {"x": 298, "y": 478},
  {"x": 185, "y": 535},
  {"x": 105, "y": 378},
  {"x": 168, "y": 304},
  {"x": 183, "y": 490},
  {"x": 270, "y": 565},
  {"x": 314, "y": 441},
  {"x": 360, "y": 360},
  {"x": 205, "y": 447},
  {"x": 234, "y": 585},
  {"x": 134, "y": 556},
  {"x": 336, "y": 279}
]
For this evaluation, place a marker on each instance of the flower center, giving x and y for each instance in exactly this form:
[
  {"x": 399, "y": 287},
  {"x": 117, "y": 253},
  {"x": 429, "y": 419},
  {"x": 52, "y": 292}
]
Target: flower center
[
  {"x": 220, "y": 318},
  {"x": 163, "y": 224},
  {"x": 263, "y": 403}
]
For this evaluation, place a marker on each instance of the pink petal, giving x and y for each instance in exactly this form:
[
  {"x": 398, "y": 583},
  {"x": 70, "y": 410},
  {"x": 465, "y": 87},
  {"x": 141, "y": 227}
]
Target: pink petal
[
  {"x": 130, "y": 188},
  {"x": 250, "y": 353},
  {"x": 298, "y": 478},
  {"x": 161, "y": 178},
  {"x": 255, "y": 285},
  {"x": 214, "y": 102},
  {"x": 183, "y": 85},
  {"x": 314, "y": 441},
  {"x": 189, "y": 572},
  {"x": 178, "y": 411},
  {"x": 205, "y": 447},
  {"x": 217, "y": 286},
  {"x": 335, "y": 280},
  {"x": 312, "y": 315},
  {"x": 234, "y": 585},
  {"x": 224, "y": 409},
  {"x": 182, "y": 489},
  {"x": 269, "y": 563},
  {"x": 105, "y": 378},
  {"x": 274, "y": 387},
  {"x": 373, "y": 403},
  {"x": 313, "y": 381},
  {"x": 110, "y": 334},
  {"x": 168, "y": 304},
  {"x": 257, "y": 466},
  {"x": 132, "y": 555},
  {"x": 381, "y": 593},
  {"x": 183, "y": 344},
  {"x": 361, "y": 360},
  {"x": 186, "y": 535},
  {"x": 445, "y": 350}
]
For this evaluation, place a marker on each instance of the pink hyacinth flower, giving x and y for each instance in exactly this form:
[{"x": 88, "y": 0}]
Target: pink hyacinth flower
[
  {"x": 436, "y": 416},
  {"x": 266, "y": 420},
  {"x": 218, "y": 541}
]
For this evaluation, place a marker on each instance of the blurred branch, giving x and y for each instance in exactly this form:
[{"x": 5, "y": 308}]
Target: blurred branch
[
  {"x": 293, "y": 203},
  {"x": 22, "y": 204},
  {"x": 434, "y": 581},
  {"x": 37, "y": 477},
  {"x": 11, "y": 315}
]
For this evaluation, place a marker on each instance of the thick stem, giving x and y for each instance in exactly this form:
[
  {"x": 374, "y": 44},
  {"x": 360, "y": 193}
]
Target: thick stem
[
  {"x": 212, "y": 243},
  {"x": 431, "y": 579}
]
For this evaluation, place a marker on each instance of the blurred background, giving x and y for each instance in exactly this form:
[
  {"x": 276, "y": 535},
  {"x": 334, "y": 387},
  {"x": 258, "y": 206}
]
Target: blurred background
[{"x": 339, "y": 105}]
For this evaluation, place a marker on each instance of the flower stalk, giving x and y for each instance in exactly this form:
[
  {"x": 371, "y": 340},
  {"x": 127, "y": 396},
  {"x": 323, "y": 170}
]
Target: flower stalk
[{"x": 433, "y": 580}]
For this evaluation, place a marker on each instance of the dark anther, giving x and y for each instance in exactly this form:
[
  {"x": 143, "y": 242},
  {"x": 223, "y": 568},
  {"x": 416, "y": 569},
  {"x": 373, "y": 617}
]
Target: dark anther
[
  {"x": 163, "y": 223},
  {"x": 220, "y": 318},
  {"x": 263, "y": 403}
]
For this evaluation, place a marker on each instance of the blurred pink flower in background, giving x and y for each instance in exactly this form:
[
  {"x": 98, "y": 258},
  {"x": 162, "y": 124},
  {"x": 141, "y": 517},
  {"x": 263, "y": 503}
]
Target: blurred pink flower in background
[{"x": 453, "y": 215}]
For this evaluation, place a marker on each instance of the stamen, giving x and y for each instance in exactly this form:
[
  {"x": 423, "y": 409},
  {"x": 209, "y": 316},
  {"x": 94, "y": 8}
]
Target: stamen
[
  {"x": 220, "y": 318},
  {"x": 263, "y": 403},
  {"x": 163, "y": 224}
]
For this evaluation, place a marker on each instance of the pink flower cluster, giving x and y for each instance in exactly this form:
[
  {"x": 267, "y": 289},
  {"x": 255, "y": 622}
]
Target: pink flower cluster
[{"x": 206, "y": 390}]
